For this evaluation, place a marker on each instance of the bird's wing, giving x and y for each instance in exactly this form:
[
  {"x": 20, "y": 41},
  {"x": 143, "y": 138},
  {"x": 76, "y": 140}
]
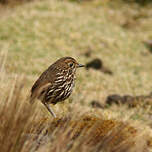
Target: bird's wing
[
  {"x": 39, "y": 93},
  {"x": 43, "y": 82},
  {"x": 39, "y": 82}
]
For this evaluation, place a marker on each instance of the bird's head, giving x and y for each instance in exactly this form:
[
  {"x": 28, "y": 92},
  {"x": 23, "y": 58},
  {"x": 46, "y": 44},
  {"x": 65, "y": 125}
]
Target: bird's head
[{"x": 68, "y": 63}]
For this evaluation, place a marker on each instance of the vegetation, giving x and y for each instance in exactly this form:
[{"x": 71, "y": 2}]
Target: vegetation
[
  {"x": 24, "y": 129},
  {"x": 35, "y": 34}
]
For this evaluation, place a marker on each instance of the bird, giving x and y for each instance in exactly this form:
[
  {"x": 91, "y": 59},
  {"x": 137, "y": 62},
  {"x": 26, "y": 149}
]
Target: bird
[{"x": 56, "y": 83}]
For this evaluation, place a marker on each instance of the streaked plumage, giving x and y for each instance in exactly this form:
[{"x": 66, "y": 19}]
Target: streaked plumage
[{"x": 56, "y": 83}]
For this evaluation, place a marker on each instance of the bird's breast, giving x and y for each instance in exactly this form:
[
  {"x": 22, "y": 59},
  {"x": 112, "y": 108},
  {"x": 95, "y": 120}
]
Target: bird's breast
[{"x": 62, "y": 88}]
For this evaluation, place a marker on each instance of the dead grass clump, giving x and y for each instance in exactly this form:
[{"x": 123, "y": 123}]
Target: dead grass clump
[
  {"x": 87, "y": 133},
  {"x": 16, "y": 116}
]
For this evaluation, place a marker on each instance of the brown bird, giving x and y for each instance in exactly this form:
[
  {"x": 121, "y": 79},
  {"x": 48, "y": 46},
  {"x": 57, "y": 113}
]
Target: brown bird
[{"x": 55, "y": 84}]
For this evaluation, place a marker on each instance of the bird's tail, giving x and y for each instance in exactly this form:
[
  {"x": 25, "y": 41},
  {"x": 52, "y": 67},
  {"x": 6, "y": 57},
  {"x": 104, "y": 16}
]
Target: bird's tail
[{"x": 31, "y": 99}]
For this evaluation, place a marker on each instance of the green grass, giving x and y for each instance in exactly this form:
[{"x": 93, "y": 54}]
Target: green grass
[{"x": 38, "y": 33}]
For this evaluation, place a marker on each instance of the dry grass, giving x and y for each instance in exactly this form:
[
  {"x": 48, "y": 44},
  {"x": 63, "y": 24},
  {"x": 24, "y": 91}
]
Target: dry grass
[
  {"x": 40, "y": 32},
  {"x": 24, "y": 129}
]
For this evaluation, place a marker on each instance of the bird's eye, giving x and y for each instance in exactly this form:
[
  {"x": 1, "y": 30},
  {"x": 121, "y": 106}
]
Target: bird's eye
[{"x": 71, "y": 65}]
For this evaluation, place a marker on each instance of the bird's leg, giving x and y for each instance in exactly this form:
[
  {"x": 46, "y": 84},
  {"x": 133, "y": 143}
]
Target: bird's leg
[{"x": 50, "y": 110}]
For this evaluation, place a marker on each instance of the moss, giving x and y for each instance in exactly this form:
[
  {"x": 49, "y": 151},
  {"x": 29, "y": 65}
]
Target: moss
[{"x": 92, "y": 130}]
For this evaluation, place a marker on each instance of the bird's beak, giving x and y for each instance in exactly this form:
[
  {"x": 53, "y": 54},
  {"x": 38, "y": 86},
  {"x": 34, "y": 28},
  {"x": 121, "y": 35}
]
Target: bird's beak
[{"x": 80, "y": 65}]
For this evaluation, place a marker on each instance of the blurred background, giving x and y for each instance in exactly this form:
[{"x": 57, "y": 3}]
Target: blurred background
[{"x": 113, "y": 38}]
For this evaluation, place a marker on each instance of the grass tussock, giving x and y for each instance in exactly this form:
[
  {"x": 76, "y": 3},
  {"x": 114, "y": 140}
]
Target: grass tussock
[{"x": 15, "y": 116}]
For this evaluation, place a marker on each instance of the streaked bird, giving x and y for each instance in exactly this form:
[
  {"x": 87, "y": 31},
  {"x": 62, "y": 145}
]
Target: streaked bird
[{"x": 55, "y": 84}]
